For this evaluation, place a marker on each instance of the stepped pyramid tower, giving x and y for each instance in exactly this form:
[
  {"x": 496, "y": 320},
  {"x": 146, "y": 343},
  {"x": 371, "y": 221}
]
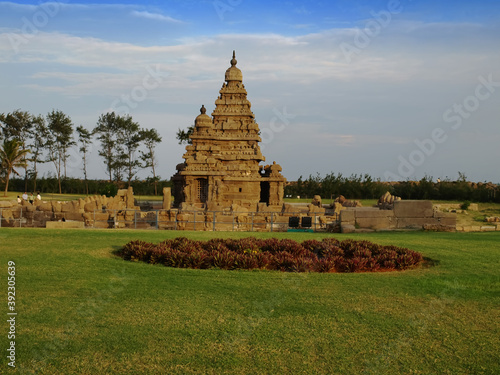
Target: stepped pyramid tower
[{"x": 221, "y": 167}]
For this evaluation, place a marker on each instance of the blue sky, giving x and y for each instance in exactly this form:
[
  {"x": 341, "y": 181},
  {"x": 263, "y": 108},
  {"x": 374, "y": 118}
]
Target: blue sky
[{"x": 395, "y": 89}]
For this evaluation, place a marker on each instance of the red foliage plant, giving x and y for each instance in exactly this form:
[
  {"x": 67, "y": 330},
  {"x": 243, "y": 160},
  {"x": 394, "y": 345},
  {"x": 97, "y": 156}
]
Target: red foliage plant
[{"x": 328, "y": 255}]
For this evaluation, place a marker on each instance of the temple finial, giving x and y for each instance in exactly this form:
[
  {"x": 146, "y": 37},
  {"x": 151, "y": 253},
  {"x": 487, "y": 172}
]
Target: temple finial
[
  {"x": 233, "y": 60},
  {"x": 203, "y": 110}
]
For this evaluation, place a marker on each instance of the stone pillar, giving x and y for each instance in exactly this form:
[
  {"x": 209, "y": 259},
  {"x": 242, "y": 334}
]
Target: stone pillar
[{"x": 167, "y": 198}]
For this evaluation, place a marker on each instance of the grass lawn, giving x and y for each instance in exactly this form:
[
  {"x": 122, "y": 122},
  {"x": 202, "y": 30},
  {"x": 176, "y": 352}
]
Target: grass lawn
[{"x": 82, "y": 310}]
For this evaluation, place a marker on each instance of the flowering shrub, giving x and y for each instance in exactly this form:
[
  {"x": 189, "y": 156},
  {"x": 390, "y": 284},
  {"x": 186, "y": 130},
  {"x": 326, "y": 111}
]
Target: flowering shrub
[{"x": 328, "y": 255}]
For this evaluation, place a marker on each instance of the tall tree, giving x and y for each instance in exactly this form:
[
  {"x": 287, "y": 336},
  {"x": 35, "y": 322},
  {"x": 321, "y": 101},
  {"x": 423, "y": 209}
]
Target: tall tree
[
  {"x": 38, "y": 144},
  {"x": 120, "y": 139},
  {"x": 84, "y": 138},
  {"x": 18, "y": 125},
  {"x": 60, "y": 138},
  {"x": 150, "y": 139},
  {"x": 130, "y": 137},
  {"x": 105, "y": 130},
  {"x": 12, "y": 155}
]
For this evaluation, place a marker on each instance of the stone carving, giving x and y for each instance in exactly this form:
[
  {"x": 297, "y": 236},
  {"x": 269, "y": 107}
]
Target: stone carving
[
  {"x": 316, "y": 201},
  {"x": 221, "y": 167},
  {"x": 386, "y": 201},
  {"x": 346, "y": 202}
]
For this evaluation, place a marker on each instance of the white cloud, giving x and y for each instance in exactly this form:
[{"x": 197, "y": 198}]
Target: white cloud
[{"x": 155, "y": 16}]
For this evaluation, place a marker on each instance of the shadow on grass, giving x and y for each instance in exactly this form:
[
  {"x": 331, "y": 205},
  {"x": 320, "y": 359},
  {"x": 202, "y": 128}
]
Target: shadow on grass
[
  {"x": 429, "y": 262},
  {"x": 117, "y": 251}
]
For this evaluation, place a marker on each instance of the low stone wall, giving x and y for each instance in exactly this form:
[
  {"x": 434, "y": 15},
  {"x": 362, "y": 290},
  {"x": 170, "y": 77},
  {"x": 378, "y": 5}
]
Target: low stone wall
[
  {"x": 120, "y": 212},
  {"x": 405, "y": 215},
  {"x": 38, "y": 214}
]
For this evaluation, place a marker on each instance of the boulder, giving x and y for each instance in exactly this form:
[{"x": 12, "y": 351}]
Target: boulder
[
  {"x": 6, "y": 204},
  {"x": 56, "y": 206},
  {"x": 44, "y": 206}
]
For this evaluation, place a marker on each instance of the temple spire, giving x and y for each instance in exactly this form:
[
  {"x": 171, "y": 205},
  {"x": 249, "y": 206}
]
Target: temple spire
[{"x": 233, "y": 60}]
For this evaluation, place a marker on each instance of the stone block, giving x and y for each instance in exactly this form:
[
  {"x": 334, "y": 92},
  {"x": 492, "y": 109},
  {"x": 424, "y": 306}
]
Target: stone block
[
  {"x": 347, "y": 228},
  {"x": 6, "y": 214},
  {"x": 65, "y": 224},
  {"x": 373, "y": 213},
  {"x": 100, "y": 224},
  {"x": 167, "y": 198},
  {"x": 488, "y": 228},
  {"x": 67, "y": 207},
  {"x": 441, "y": 228},
  {"x": 376, "y": 222},
  {"x": 16, "y": 214},
  {"x": 315, "y": 209},
  {"x": 223, "y": 218},
  {"x": 415, "y": 222},
  {"x": 74, "y": 216},
  {"x": 347, "y": 216},
  {"x": 413, "y": 209},
  {"x": 222, "y": 227},
  {"x": 44, "y": 206},
  {"x": 439, "y": 214},
  {"x": 90, "y": 207},
  {"x": 447, "y": 221},
  {"x": 42, "y": 216},
  {"x": 29, "y": 208},
  {"x": 100, "y": 216},
  {"x": 262, "y": 207}
]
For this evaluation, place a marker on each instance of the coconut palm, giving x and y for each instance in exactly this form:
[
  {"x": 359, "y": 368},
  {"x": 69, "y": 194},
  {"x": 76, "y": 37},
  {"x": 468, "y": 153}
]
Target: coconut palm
[{"x": 12, "y": 155}]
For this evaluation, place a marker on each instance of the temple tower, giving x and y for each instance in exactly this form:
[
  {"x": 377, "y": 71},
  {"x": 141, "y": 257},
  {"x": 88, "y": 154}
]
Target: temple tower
[{"x": 221, "y": 165}]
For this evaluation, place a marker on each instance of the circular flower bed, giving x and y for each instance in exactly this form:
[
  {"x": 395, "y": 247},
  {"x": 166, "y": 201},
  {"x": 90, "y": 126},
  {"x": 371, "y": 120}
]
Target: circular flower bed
[{"x": 328, "y": 255}]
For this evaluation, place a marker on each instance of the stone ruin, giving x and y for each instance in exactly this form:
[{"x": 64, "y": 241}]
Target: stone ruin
[
  {"x": 222, "y": 164},
  {"x": 97, "y": 211},
  {"x": 405, "y": 215}
]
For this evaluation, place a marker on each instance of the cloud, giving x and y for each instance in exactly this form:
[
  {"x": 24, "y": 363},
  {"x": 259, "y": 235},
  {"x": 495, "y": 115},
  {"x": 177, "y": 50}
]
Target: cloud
[{"x": 155, "y": 16}]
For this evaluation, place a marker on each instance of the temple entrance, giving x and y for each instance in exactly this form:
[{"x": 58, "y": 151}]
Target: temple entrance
[
  {"x": 202, "y": 189},
  {"x": 265, "y": 190}
]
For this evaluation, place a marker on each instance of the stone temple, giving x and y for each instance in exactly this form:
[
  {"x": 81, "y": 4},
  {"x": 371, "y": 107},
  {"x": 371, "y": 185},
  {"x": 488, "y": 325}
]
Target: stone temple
[{"x": 222, "y": 164}]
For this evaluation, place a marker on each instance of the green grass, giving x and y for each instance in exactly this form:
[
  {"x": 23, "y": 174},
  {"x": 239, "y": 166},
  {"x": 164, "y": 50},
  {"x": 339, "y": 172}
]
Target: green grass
[{"x": 81, "y": 310}]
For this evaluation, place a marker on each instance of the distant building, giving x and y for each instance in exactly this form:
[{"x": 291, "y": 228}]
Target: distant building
[{"x": 221, "y": 165}]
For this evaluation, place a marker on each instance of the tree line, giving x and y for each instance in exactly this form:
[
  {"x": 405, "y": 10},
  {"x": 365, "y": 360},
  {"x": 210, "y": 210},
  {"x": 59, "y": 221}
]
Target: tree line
[
  {"x": 365, "y": 187},
  {"x": 27, "y": 140}
]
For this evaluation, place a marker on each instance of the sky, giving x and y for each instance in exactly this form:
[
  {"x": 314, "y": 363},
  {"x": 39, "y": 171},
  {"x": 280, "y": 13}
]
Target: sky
[{"x": 395, "y": 89}]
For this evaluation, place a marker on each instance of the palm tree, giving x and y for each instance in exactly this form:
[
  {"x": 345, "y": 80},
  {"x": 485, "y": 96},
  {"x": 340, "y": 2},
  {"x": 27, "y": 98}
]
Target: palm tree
[{"x": 12, "y": 155}]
